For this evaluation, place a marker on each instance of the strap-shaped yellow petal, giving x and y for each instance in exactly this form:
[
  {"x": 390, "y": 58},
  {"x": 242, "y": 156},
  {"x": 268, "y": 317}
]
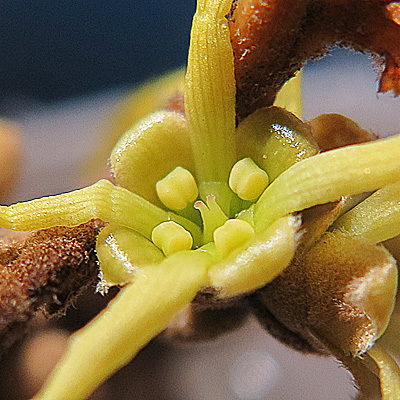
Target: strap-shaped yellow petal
[
  {"x": 389, "y": 373},
  {"x": 140, "y": 312},
  {"x": 121, "y": 252},
  {"x": 257, "y": 262},
  {"x": 377, "y": 217},
  {"x": 102, "y": 200},
  {"x": 328, "y": 176},
  {"x": 210, "y": 92}
]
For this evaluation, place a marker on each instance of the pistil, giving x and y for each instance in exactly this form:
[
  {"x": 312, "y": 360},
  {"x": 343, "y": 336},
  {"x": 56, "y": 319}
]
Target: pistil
[{"x": 212, "y": 215}]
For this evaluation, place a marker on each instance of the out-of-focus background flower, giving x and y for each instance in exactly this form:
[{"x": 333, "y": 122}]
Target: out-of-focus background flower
[{"x": 64, "y": 66}]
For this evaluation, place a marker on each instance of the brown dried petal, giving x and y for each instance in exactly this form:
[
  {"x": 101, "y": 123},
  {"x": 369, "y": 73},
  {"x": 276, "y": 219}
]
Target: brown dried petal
[{"x": 390, "y": 79}]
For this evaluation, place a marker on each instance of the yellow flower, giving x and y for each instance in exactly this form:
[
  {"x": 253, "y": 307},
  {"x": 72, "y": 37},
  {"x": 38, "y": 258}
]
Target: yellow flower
[{"x": 203, "y": 206}]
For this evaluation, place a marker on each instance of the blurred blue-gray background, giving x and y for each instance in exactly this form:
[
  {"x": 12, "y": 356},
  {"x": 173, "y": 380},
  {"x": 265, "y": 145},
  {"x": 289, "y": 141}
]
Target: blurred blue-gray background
[{"x": 57, "y": 49}]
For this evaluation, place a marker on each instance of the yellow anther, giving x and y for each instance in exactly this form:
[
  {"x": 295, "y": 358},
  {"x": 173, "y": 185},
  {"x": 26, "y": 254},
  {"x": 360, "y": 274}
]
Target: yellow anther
[
  {"x": 177, "y": 189},
  {"x": 171, "y": 237},
  {"x": 233, "y": 234},
  {"x": 248, "y": 180}
]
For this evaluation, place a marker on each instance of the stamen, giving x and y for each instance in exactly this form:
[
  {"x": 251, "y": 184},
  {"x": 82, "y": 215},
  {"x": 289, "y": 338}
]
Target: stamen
[
  {"x": 149, "y": 150},
  {"x": 230, "y": 236},
  {"x": 258, "y": 262},
  {"x": 171, "y": 237},
  {"x": 177, "y": 189},
  {"x": 212, "y": 216},
  {"x": 275, "y": 140},
  {"x": 248, "y": 180}
]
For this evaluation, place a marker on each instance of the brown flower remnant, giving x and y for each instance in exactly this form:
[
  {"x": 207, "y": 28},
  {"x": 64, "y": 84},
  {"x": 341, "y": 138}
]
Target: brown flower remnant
[{"x": 272, "y": 39}]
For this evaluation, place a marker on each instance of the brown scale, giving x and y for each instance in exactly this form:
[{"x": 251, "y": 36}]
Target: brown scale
[
  {"x": 272, "y": 39},
  {"x": 47, "y": 270}
]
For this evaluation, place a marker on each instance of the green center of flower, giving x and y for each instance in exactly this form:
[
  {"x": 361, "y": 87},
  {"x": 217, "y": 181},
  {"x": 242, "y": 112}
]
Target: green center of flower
[{"x": 178, "y": 191}]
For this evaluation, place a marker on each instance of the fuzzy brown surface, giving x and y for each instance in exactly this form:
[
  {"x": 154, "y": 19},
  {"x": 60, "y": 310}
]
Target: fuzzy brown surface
[
  {"x": 313, "y": 293},
  {"x": 287, "y": 294},
  {"x": 47, "y": 270},
  {"x": 335, "y": 268},
  {"x": 272, "y": 39}
]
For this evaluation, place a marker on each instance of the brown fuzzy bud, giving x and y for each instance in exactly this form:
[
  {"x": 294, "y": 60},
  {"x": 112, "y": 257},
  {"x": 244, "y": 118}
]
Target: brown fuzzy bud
[
  {"x": 49, "y": 269},
  {"x": 343, "y": 289},
  {"x": 353, "y": 285},
  {"x": 334, "y": 130}
]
